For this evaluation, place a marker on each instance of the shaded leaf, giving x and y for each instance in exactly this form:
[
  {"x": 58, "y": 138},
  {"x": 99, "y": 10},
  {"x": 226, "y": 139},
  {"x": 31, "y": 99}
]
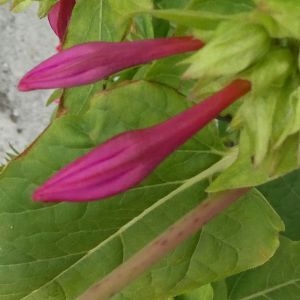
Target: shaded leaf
[
  {"x": 284, "y": 195},
  {"x": 277, "y": 279}
]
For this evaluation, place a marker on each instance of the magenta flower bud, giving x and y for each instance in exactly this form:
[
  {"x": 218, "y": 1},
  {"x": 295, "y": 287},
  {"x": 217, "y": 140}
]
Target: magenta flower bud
[
  {"x": 126, "y": 159},
  {"x": 90, "y": 62},
  {"x": 59, "y": 17}
]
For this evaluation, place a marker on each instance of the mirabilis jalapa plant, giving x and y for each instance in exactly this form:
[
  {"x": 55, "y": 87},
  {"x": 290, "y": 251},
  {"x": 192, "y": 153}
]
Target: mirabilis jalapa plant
[{"x": 174, "y": 109}]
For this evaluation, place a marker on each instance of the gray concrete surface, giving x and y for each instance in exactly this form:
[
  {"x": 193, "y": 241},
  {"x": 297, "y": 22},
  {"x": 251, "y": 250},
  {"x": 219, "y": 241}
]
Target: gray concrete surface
[{"x": 25, "y": 40}]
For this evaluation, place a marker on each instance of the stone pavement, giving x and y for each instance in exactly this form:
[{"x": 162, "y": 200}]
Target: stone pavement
[{"x": 24, "y": 41}]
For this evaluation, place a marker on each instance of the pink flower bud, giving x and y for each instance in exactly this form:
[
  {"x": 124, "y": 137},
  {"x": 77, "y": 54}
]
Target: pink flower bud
[
  {"x": 126, "y": 159},
  {"x": 90, "y": 62}
]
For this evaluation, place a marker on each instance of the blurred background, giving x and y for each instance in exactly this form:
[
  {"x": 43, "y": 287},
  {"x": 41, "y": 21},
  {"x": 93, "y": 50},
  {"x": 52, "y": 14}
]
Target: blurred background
[{"x": 25, "y": 40}]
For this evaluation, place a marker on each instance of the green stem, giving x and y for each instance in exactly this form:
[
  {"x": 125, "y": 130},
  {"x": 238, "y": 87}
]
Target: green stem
[{"x": 161, "y": 246}]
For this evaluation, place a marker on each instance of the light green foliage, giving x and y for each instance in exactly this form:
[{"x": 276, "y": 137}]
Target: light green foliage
[
  {"x": 287, "y": 117},
  {"x": 44, "y": 6},
  {"x": 20, "y": 5},
  {"x": 272, "y": 71},
  {"x": 281, "y": 18},
  {"x": 222, "y": 6},
  {"x": 269, "y": 121},
  {"x": 233, "y": 48},
  {"x": 244, "y": 172}
]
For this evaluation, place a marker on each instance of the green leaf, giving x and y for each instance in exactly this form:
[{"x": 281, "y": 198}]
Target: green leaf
[
  {"x": 287, "y": 116},
  {"x": 222, "y": 6},
  {"x": 102, "y": 20},
  {"x": 284, "y": 195},
  {"x": 272, "y": 71},
  {"x": 278, "y": 279},
  {"x": 55, "y": 96},
  {"x": 76, "y": 100},
  {"x": 268, "y": 124},
  {"x": 171, "y": 3},
  {"x": 206, "y": 292},
  {"x": 167, "y": 71},
  {"x": 257, "y": 114},
  {"x": 244, "y": 173},
  {"x": 44, "y": 7},
  {"x": 59, "y": 250},
  {"x": 190, "y": 18}
]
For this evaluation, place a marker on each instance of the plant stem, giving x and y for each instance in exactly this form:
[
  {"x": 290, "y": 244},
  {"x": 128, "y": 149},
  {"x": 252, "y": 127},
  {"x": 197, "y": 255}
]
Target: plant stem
[{"x": 162, "y": 245}]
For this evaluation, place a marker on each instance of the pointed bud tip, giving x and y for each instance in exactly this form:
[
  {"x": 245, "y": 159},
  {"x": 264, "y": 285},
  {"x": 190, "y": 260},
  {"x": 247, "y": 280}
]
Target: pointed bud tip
[
  {"x": 40, "y": 196},
  {"x": 22, "y": 87},
  {"x": 37, "y": 195}
]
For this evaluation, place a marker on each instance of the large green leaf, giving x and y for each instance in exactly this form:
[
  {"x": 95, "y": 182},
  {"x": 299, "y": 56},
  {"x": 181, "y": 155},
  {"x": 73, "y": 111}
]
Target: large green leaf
[
  {"x": 233, "y": 48},
  {"x": 58, "y": 250},
  {"x": 278, "y": 279},
  {"x": 284, "y": 195},
  {"x": 35, "y": 237}
]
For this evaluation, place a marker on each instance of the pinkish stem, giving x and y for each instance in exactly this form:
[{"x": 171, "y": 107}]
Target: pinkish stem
[{"x": 162, "y": 245}]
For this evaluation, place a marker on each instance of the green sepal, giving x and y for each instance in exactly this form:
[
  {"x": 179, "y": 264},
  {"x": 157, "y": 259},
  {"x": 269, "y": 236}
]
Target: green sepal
[
  {"x": 233, "y": 48},
  {"x": 281, "y": 18}
]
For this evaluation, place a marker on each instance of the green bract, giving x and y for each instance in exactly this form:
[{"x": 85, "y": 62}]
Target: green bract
[
  {"x": 233, "y": 48},
  {"x": 281, "y": 18}
]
